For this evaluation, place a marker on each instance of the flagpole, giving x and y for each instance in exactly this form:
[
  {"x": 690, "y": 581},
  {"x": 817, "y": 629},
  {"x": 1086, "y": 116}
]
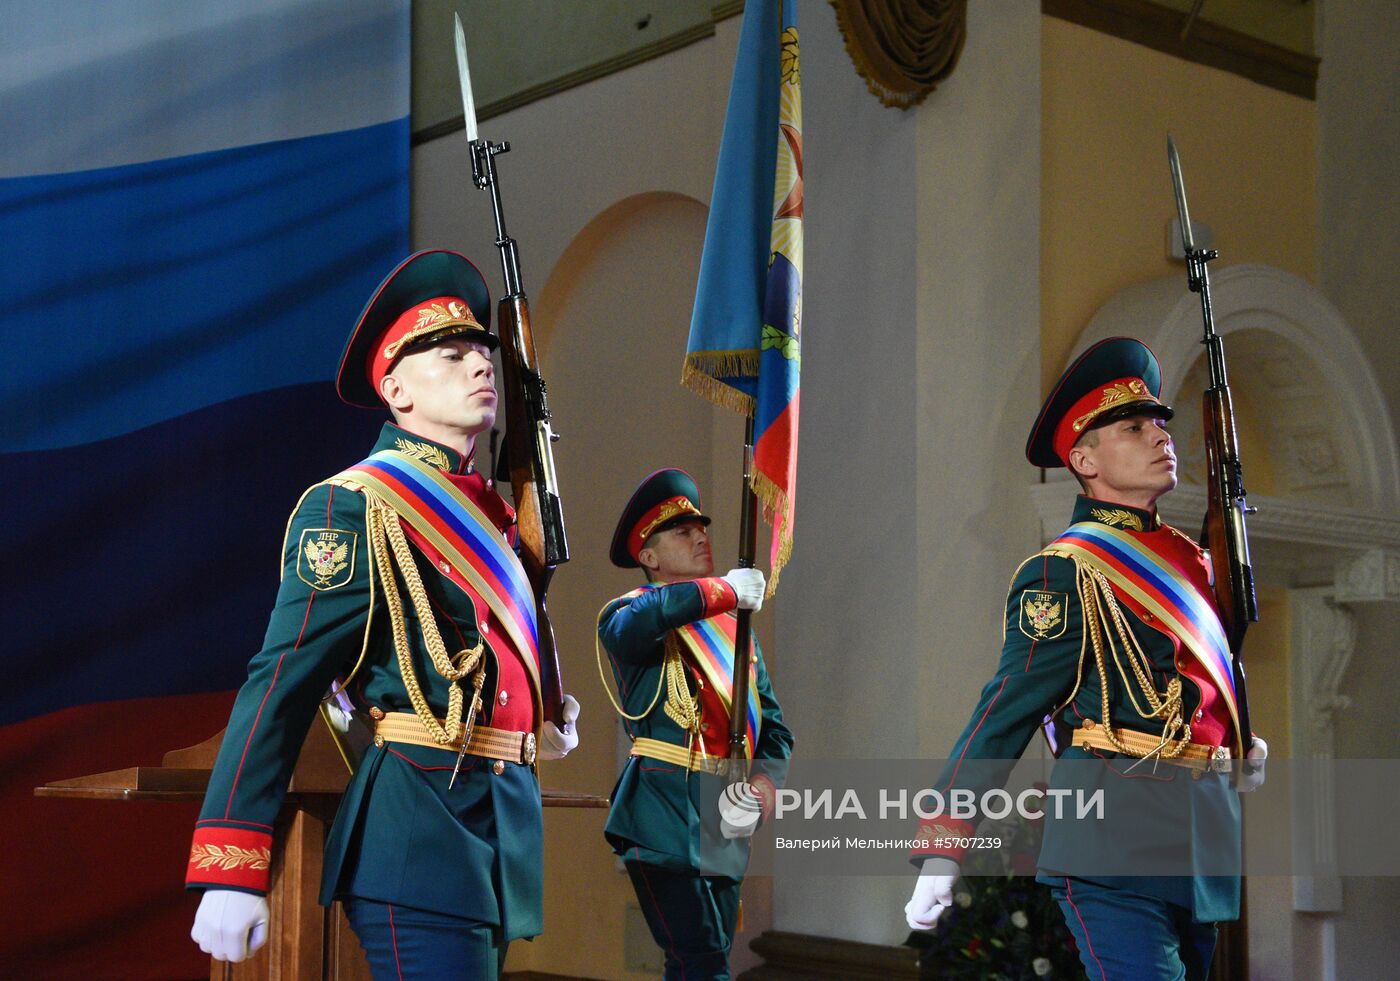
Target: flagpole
[{"x": 743, "y": 640}]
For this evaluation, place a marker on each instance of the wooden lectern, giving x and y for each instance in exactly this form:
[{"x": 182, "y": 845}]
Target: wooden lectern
[{"x": 307, "y": 941}]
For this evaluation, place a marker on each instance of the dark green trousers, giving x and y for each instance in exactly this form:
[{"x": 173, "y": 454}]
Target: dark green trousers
[
  {"x": 691, "y": 917},
  {"x": 404, "y": 944},
  {"x": 1126, "y": 936}
]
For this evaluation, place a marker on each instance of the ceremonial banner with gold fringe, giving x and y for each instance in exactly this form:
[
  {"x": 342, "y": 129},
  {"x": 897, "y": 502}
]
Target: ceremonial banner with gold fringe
[{"x": 745, "y": 334}]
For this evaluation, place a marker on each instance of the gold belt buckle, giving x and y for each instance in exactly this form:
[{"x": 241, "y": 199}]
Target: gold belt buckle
[
  {"x": 1220, "y": 760},
  {"x": 528, "y": 750}
]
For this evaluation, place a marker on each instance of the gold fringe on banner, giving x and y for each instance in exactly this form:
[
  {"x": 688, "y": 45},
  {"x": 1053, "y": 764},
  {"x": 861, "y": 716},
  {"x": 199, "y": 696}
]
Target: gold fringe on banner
[
  {"x": 700, "y": 370},
  {"x": 774, "y": 502},
  {"x": 698, "y": 375}
]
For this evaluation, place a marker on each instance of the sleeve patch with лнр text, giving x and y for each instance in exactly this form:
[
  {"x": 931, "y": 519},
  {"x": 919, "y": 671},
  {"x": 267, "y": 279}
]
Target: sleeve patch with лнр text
[
  {"x": 1043, "y": 614},
  {"x": 326, "y": 557}
]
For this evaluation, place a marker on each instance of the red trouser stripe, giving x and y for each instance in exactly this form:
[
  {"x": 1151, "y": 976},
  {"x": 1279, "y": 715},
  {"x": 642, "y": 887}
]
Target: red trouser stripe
[
  {"x": 642, "y": 870},
  {"x": 1069, "y": 898},
  {"x": 394, "y": 939}
]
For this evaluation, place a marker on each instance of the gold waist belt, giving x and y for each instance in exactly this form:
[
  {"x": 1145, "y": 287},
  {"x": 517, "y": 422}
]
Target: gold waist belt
[
  {"x": 493, "y": 744},
  {"x": 655, "y": 749},
  {"x": 1198, "y": 756}
]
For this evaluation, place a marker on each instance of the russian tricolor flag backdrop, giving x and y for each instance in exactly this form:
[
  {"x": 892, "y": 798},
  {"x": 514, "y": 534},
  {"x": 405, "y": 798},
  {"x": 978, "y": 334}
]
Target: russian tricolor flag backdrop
[{"x": 196, "y": 198}]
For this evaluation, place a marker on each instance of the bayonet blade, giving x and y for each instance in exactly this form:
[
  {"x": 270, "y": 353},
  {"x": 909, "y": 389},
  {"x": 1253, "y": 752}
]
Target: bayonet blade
[
  {"x": 1179, "y": 187},
  {"x": 464, "y": 76}
]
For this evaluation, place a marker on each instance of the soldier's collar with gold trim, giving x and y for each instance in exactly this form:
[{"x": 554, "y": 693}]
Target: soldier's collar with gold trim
[
  {"x": 444, "y": 458},
  {"x": 1115, "y": 515}
]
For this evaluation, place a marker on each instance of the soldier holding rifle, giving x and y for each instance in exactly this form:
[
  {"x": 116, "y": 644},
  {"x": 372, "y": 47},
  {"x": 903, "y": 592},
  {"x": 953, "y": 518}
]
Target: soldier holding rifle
[
  {"x": 1123, "y": 637},
  {"x": 401, "y": 591},
  {"x": 1112, "y": 632},
  {"x": 436, "y": 849}
]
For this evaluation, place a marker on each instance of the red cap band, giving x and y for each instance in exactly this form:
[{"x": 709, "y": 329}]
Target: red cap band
[
  {"x": 672, "y": 507},
  {"x": 1104, "y": 398},
  {"x": 443, "y": 316}
]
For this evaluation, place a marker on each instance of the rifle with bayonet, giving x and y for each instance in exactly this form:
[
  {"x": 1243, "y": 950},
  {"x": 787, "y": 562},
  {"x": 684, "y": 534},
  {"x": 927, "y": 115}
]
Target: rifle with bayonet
[
  {"x": 529, "y": 434},
  {"x": 1224, "y": 532}
]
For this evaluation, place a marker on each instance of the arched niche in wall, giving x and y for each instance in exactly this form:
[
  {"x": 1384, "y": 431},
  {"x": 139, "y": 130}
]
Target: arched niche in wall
[
  {"x": 1308, "y": 391},
  {"x": 611, "y": 324},
  {"x": 610, "y": 327},
  {"x": 614, "y": 315}
]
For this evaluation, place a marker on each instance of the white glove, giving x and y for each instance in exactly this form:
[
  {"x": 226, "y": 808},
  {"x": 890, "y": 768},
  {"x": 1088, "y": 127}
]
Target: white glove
[
  {"x": 740, "y": 807},
  {"x": 230, "y": 925},
  {"x": 1251, "y": 775},
  {"x": 748, "y": 586},
  {"x": 557, "y": 744},
  {"x": 933, "y": 893}
]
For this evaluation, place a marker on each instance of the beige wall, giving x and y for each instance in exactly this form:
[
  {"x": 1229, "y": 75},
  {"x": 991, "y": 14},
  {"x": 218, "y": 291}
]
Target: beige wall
[
  {"x": 1248, "y": 153},
  {"x": 1359, "y": 211},
  {"x": 1358, "y": 186}
]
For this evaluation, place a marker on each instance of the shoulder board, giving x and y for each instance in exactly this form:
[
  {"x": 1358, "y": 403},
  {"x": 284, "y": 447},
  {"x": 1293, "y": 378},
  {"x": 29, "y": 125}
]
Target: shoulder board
[{"x": 287, "y": 531}]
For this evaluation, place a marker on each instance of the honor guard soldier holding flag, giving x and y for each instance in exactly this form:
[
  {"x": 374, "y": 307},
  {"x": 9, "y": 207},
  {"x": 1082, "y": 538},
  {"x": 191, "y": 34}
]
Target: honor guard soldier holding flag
[
  {"x": 670, "y": 645},
  {"x": 1112, "y": 634},
  {"x": 401, "y": 594}
]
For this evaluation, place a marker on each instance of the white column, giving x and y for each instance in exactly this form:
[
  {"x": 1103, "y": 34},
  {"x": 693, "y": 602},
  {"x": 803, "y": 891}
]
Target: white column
[{"x": 1322, "y": 646}]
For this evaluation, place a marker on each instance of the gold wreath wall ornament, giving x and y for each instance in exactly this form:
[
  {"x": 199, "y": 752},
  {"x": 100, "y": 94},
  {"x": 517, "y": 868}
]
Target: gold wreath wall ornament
[{"x": 903, "y": 48}]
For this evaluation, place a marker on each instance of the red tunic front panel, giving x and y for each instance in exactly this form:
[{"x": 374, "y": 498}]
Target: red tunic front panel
[
  {"x": 1210, "y": 723},
  {"x": 516, "y": 711}
]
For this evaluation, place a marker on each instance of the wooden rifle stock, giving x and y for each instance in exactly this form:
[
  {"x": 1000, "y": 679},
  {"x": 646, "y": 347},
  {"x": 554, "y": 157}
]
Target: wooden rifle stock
[
  {"x": 1224, "y": 528},
  {"x": 539, "y": 518},
  {"x": 1224, "y": 536}
]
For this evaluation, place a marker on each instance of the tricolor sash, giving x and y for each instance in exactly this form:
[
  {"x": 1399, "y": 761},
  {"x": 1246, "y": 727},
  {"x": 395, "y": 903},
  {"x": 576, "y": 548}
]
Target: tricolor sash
[
  {"x": 467, "y": 539},
  {"x": 710, "y": 643},
  {"x": 1140, "y": 573}
]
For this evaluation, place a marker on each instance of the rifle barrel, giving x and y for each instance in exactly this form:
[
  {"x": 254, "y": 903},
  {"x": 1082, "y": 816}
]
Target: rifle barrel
[{"x": 1224, "y": 532}]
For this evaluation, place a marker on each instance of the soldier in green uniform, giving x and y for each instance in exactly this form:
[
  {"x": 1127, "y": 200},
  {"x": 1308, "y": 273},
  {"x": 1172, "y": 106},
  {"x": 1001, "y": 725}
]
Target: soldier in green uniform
[
  {"x": 402, "y": 597},
  {"x": 670, "y": 645},
  {"x": 1112, "y": 634}
]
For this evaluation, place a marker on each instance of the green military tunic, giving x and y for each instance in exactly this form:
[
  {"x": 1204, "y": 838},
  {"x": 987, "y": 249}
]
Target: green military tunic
[
  {"x": 656, "y": 814},
  {"x": 400, "y": 836},
  {"x": 1048, "y": 670}
]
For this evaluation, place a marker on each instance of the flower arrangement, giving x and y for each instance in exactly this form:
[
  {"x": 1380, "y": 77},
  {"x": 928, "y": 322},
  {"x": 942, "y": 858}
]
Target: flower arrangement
[{"x": 1003, "y": 925}]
